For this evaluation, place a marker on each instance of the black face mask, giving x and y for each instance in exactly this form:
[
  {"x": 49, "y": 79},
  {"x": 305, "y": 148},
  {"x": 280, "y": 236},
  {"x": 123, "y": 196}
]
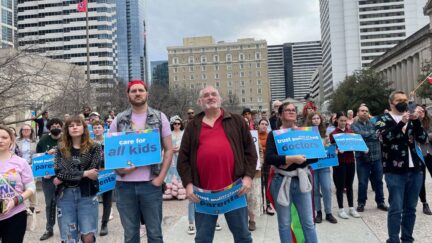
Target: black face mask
[
  {"x": 401, "y": 107},
  {"x": 55, "y": 131}
]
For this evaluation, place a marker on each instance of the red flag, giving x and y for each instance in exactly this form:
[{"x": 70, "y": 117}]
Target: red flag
[
  {"x": 429, "y": 79},
  {"x": 82, "y": 6}
]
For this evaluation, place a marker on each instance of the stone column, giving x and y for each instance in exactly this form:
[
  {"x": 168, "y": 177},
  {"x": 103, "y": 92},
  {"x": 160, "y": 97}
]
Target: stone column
[
  {"x": 411, "y": 81},
  {"x": 416, "y": 67},
  {"x": 399, "y": 76},
  {"x": 394, "y": 77},
  {"x": 404, "y": 77}
]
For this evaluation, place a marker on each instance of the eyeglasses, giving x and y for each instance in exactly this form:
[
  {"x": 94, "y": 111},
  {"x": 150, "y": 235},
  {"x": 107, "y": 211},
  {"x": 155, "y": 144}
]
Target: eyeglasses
[
  {"x": 190, "y": 113},
  {"x": 290, "y": 110},
  {"x": 247, "y": 113},
  {"x": 26, "y": 129},
  {"x": 176, "y": 123}
]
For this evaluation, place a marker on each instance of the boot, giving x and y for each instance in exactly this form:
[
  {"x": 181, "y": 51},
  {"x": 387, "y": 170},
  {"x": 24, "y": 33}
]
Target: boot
[
  {"x": 104, "y": 229},
  {"x": 318, "y": 218},
  {"x": 426, "y": 209}
]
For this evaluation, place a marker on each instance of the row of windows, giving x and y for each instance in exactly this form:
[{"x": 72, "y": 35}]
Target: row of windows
[
  {"x": 66, "y": 38},
  {"x": 7, "y": 34},
  {"x": 7, "y": 4},
  {"x": 216, "y": 67},
  {"x": 7, "y": 17},
  {"x": 65, "y": 21},
  {"x": 63, "y": 12},
  {"x": 64, "y": 30},
  {"x": 380, "y": 8},
  {"x": 381, "y": 36},
  {"x": 381, "y": 15},
  {"x": 376, "y": 29},
  {"x": 69, "y": 47},
  {"x": 216, "y": 49},
  {"x": 228, "y": 58},
  {"x": 389, "y": 21},
  {"x": 379, "y": 43},
  {"x": 217, "y": 76}
]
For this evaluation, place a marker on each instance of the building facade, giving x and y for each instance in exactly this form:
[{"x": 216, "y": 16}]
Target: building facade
[
  {"x": 290, "y": 68},
  {"x": 56, "y": 29},
  {"x": 159, "y": 72},
  {"x": 354, "y": 33},
  {"x": 131, "y": 40},
  {"x": 234, "y": 68},
  {"x": 8, "y": 24},
  {"x": 316, "y": 87}
]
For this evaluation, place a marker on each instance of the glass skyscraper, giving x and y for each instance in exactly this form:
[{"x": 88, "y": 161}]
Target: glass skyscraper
[{"x": 131, "y": 53}]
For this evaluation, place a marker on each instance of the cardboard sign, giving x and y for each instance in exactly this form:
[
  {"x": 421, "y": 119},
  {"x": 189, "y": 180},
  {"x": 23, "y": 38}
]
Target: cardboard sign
[
  {"x": 220, "y": 202},
  {"x": 300, "y": 141},
  {"x": 254, "y": 134},
  {"x": 43, "y": 165},
  {"x": 350, "y": 142},
  {"x": 329, "y": 161},
  {"x": 140, "y": 148}
]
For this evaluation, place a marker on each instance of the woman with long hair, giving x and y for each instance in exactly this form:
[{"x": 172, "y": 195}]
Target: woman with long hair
[
  {"x": 426, "y": 149},
  {"x": 344, "y": 173},
  {"x": 322, "y": 177},
  {"x": 290, "y": 173},
  {"x": 17, "y": 183},
  {"x": 76, "y": 166}
]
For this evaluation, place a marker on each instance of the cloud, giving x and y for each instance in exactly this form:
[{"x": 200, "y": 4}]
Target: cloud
[{"x": 277, "y": 21}]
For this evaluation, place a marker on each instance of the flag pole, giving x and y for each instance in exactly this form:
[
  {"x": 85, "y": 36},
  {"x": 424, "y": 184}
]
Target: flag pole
[
  {"x": 420, "y": 84},
  {"x": 88, "y": 46}
]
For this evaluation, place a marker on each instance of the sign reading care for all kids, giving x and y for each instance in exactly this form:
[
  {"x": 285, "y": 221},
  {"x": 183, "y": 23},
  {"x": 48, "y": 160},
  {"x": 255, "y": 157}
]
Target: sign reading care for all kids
[
  {"x": 140, "y": 148},
  {"x": 220, "y": 202},
  {"x": 43, "y": 165},
  {"x": 350, "y": 142},
  {"x": 303, "y": 140},
  {"x": 329, "y": 161}
]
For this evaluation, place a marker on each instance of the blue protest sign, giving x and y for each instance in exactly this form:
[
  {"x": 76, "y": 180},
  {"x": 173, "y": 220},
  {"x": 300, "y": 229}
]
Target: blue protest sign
[
  {"x": 140, "y": 148},
  {"x": 43, "y": 165},
  {"x": 301, "y": 141},
  {"x": 220, "y": 202},
  {"x": 350, "y": 142},
  {"x": 107, "y": 180},
  {"x": 419, "y": 153},
  {"x": 329, "y": 161}
]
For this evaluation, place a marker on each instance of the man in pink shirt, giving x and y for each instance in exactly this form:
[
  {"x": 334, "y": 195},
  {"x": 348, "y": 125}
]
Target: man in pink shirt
[{"x": 139, "y": 189}]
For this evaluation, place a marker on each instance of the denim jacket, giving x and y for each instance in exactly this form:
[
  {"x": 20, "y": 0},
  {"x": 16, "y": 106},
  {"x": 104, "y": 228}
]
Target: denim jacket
[{"x": 368, "y": 132}]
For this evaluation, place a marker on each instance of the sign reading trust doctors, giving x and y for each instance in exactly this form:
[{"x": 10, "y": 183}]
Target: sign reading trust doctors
[
  {"x": 139, "y": 148},
  {"x": 304, "y": 140}
]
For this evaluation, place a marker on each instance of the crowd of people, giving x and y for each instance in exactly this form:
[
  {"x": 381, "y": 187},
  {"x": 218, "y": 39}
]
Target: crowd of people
[{"x": 211, "y": 150}]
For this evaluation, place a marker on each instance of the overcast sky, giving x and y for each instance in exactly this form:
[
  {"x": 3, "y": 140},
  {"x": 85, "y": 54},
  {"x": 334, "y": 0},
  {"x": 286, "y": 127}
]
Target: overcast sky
[{"x": 277, "y": 21}]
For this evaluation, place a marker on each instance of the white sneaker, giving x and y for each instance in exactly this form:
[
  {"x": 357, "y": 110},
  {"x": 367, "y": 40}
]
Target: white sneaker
[
  {"x": 342, "y": 214},
  {"x": 111, "y": 217},
  {"x": 354, "y": 212},
  {"x": 143, "y": 231},
  {"x": 191, "y": 229},
  {"x": 218, "y": 227}
]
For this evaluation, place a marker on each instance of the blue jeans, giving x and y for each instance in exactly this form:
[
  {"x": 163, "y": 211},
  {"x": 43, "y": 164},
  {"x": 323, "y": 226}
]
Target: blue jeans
[
  {"x": 303, "y": 203},
  {"x": 322, "y": 184},
  {"x": 76, "y": 215},
  {"x": 375, "y": 171},
  {"x": 191, "y": 212},
  {"x": 140, "y": 199},
  {"x": 237, "y": 222},
  {"x": 403, "y": 196}
]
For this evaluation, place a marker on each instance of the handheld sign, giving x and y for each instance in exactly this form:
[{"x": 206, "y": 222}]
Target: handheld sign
[
  {"x": 350, "y": 142},
  {"x": 305, "y": 141},
  {"x": 107, "y": 180},
  {"x": 43, "y": 165},
  {"x": 140, "y": 148},
  {"x": 220, "y": 202},
  {"x": 254, "y": 134},
  {"x": 329, "y": 161}
]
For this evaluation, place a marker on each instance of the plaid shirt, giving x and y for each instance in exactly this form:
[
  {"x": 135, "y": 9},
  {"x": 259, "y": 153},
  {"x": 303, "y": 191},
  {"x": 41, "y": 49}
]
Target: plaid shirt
[{"x": 367, "y": 131}]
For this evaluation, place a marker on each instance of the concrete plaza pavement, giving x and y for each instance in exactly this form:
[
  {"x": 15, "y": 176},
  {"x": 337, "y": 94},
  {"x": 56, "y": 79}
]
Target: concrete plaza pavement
[{"x": 370, "y": 228}]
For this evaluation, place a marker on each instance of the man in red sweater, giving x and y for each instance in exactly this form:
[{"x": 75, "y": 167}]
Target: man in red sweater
[{"x": 216, "y": 150}]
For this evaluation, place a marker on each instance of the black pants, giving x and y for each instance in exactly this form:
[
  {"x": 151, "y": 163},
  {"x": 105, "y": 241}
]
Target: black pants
[
  {"x": 428, "y": 162},
  {"x": 343, "y": 177},
  {"x": 49, "y": 189},
  {"x": 265, "y": 172},
  {"x": 12, "y": 230},
  {"x": 107, "y": 204}
]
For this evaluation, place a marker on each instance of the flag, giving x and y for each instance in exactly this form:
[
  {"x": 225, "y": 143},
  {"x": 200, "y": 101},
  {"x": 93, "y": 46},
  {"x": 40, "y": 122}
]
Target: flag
[
  {"x": 82, "y": 6},
  {"x": 429, "y": 79}
]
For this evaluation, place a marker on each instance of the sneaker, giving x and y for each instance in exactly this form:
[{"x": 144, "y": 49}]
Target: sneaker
[
  {"x": 426, "y": 209},
  {"x": 46, "y": 235},
  {"x": 383, "y": 207},
  {"x": 270, "y": 211},
  {"x": 342, "y": 214},
  {"x": 318, "y": 218},
  {"x": 104, "y": 230},
  {"x": 111, "y": 217},
  {"x": 330, "y": 218},
  {"x": 218, "y": 227},
  {"x": 354, "y": 213},
  {"x": 191, "y": 229},
  {"x": 360, "y": 208},
  {"x": 252, "y": 225}
]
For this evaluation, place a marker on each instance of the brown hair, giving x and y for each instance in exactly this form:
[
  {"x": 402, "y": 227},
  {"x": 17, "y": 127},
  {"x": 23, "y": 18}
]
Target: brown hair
[
  {"x": 96, "y": 123},
  {"x": 32, "y": 133},
  {"x": 321, "y": 126},
  {"x": 10, "y": 132},
  {"x": 65, "y": 144}
]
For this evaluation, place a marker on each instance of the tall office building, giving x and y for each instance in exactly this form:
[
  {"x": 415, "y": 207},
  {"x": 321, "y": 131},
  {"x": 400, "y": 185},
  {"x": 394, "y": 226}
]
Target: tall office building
[
  {"x": 159, "y": 72},
  {"x": 234, "y": 68},
  {"x": 290, "y": 68},
  {"x": 8, "y": 25},
  {"x": 354, "y": 33},
  {"x": 131, "y": 40},
  {"x": 57, "y": 30}
]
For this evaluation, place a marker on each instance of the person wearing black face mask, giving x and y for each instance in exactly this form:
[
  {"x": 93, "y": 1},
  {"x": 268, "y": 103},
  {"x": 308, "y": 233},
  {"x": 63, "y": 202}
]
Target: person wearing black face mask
[
  {"x": 399, "y": 132},
  {"x": 46, "y": 145}
]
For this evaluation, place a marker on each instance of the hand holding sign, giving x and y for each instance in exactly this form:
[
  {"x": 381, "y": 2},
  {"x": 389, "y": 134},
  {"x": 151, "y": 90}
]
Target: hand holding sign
[
  {"x": 91, "y": 174},
  {"x": 190, "y": 193},
  {"x": 247, "y": 185}
]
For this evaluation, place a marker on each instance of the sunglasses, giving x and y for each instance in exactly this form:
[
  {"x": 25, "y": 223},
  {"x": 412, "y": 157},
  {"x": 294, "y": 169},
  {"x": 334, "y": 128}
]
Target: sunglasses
[{"x": 176, "y": 123}]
